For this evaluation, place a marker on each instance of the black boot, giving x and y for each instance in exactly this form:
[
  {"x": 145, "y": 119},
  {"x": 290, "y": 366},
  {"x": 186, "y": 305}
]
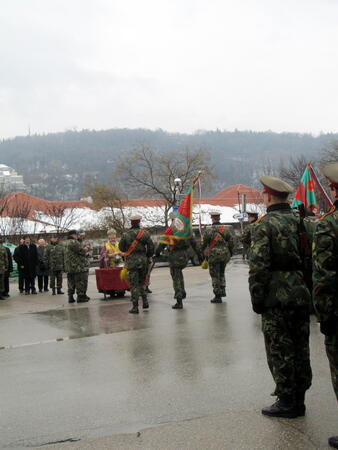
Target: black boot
[
  {"x": 34, "y": 291},
  {"x": 300, "y": 402},
  {"x": 71, "y": 298},
  {"x": 145, "y": 304},
  {"x": 82, "y": 298},
  {"x": 178, "y": 304},
  {"x": 216, "y": 300},
  {"x": 148, "y": 291},
  {"x": 59, "y": 291},
  {"x": 134, "y": 309},
  {"x": 283, "y": 407},
  {"x": 86, "y": 297},
  {"x": 333, "y": 441},
  {"x": 53, "y": 291},
  {"x": 223, "y": 293}
]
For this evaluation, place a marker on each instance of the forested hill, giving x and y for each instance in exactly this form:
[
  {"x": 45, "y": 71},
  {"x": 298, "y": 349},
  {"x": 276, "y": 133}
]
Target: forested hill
[{"x": 55, "y": 165}]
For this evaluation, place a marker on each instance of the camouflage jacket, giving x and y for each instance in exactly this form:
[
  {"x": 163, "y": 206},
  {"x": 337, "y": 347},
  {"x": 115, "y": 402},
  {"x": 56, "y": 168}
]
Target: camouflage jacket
[
  {"x": 275, "y": 276},
  {"x": 3, "y": 260},
  {"x": 54, "y": 257},
  {"x": 178, "y": 256},
  {"x": 325, "y": 265},
  {"x": 74, "y": 256},
  {"x": 143, "y": 250},
  {"x": 224, "y": 247}
]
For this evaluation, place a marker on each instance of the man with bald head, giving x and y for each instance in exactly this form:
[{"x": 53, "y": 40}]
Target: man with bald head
[{"x": 279, "y": 293}]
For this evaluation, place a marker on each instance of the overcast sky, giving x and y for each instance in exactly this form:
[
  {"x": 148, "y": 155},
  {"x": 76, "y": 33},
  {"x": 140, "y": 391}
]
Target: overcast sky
[{"x": 179, "y": 65}]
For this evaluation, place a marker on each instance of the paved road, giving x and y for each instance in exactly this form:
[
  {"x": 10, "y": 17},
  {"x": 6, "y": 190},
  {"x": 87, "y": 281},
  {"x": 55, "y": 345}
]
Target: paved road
[{"x": 191, "y": 379}]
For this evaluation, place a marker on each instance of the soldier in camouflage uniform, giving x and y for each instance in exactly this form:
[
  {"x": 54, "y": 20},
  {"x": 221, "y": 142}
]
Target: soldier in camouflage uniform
[
  {"x": 325, "y": 279},
  {"x": 53, "y": 259},
  {"x": 246, "y": 235},
  {"x": 3, "y": 268},
  {"x": 75, "y": 267},
  {"x": 89, "y": 257},
  {"x": 178, "y": 258},
  {"x": 218, "y": 247},
  {"x": 279, "y": 294},
  {"x": 137, "y": 245}
]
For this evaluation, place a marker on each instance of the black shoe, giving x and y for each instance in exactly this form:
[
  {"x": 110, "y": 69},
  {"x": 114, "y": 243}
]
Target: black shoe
[
  {"x": 40, "y": 290},
  {"x": 71, "y": 299},
  {"x": 281, "y": 408},
  {"x": 178, "y": 304},
  {"x": 148, "y": 291},
  {"x": 26, "y": 292},
  {"x": 86, "y": 296},
  {"x": 60, "y": 292},
  {"x": 46, "y": 290},
  {"x": 6, "y": 295},
  {"x": 53, "y": 291},
  {"x": 216, "y": 300},
  {"x": 134, "y": 309},
  {"x": 21, "y": 291},
  {"x": 333, "y": 441},
  {"x": 2, "y": 298},
  {"x": 145, "y": 304},
  {"x": 300, "y": 399},
  {"x": 34, "y": 291},
  {"x": 82, "y": 299}
]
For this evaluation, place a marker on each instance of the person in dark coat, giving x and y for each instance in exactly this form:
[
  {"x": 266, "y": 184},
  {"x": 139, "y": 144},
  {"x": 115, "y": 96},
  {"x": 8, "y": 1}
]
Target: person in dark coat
[
  {"x": 21, "y": 277},
  {"x": 26, "y": 258},
  {"x": 8, "y": 273},
  {"x": 41, "y": 269}
]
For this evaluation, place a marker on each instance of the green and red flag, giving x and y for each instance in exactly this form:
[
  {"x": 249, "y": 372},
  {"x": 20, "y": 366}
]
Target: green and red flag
[
  {"x": 305, "y": 193},
  {"x": 181, "y": 226}
]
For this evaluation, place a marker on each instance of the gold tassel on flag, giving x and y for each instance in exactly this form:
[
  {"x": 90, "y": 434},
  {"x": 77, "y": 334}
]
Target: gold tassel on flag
[
  {"x": 123, "y": 274},
  {"x": 205, "y": 264}
]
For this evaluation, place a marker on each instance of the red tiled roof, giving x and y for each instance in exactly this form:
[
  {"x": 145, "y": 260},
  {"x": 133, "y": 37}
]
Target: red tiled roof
[
  {"x": 229, "y": 195},
  {"x": 20, "y": 204}
]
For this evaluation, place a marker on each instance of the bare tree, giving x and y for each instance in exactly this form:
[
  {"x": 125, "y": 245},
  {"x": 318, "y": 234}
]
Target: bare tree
[
  {"x": 330, "y": 154},
  {"x": 153, "y": 175},
  {"x": 61, "y": 216},
  {"x": 292, "y": 173}
]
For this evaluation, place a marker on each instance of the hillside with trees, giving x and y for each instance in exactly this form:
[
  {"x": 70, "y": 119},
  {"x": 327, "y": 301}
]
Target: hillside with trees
[{"x": 57, "y": 166}]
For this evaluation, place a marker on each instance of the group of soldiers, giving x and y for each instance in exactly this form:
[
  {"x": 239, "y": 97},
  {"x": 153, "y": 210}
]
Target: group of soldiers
[
  {"x": 278, "y": 281},
  {"x": 137, "y": 246}
]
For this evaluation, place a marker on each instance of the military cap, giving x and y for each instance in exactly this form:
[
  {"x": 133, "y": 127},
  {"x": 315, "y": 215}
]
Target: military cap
[
  {"x": 135, "y": 218},
  {"x": 214, "y": 213},
  {"x": 71, "y": 232},
  {"x": 275, "y": 186},
  {"x": 331, "y": 172}
]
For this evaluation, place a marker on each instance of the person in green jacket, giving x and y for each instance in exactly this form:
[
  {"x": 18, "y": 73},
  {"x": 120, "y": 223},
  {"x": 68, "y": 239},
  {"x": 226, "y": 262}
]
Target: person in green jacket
[
  {"x": 218, "y": 246},
  {"x": 325, "y": 279},
  {"x": 75, "y": 267},
  {"x": 54, "y": 261},
  {"x": 279, "y": 293}
]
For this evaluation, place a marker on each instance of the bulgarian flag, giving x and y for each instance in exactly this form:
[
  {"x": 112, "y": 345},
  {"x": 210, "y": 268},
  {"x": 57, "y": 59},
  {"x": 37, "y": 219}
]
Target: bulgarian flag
[
  {"x": 181, "y": 226},
  {"x": 305, "y": 193}
]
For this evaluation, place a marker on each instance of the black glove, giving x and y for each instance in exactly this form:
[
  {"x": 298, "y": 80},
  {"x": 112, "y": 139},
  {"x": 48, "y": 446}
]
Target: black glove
[
  {"x": 329, "y": 327},
  {"x": 258, "y": 308}
]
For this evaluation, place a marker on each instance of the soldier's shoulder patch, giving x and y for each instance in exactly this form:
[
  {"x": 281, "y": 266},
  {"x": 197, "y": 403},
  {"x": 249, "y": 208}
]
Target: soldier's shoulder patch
[{"x": 332, "y": 210}]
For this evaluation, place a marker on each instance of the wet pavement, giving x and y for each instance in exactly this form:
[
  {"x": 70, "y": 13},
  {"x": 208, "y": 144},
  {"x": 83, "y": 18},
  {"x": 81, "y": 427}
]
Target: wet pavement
[{"x": 195, "y": 378}]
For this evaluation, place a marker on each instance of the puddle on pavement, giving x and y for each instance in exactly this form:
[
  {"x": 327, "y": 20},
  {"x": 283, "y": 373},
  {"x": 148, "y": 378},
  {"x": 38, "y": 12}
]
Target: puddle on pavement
[{"x": 84, "y": 322}]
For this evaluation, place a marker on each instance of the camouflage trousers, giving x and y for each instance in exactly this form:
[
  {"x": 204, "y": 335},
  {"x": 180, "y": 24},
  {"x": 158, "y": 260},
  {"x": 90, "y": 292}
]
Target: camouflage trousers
[
  {"x": 77, "y": 282},
  {"x": 216, "y": 271},
  {"x": 55, "y": 276},
  {"x": 136, "y": 279},
  {"x": 286, "y": 335},
  {"x": 331, "y": 344},
  {"x": 178, "y": 282}
]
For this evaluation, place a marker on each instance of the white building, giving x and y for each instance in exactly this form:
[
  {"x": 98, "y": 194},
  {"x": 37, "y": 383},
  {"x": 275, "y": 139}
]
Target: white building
[{"x": 9, "y": 179}]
